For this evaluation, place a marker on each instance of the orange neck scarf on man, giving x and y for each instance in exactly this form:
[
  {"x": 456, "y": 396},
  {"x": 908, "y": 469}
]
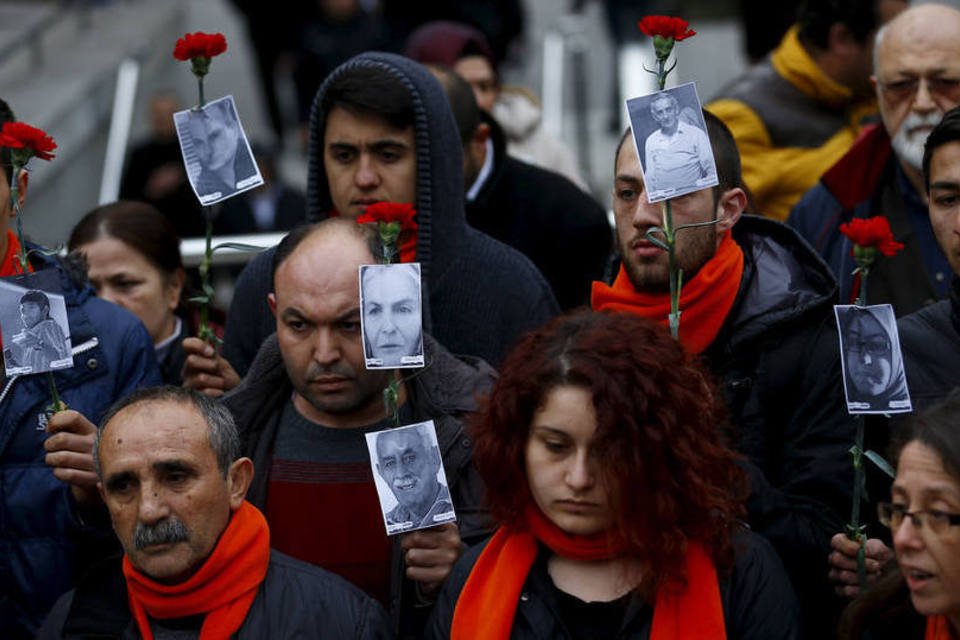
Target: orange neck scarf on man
[
  {"x": 705, "y": 300},
  {"x": 11, "y": 263},
  {"x": 223, "y": 588},
  {"x": 938, "y": 628},
  {"x": 488, "y": 603}
]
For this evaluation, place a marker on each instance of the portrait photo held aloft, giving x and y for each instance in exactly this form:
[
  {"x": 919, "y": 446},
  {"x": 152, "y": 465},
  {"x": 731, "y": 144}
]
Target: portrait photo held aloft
[
  {"x": 409, "y": 475},
  {"x": 874, "y": 379},
  {"x": 391, "y": 320}
]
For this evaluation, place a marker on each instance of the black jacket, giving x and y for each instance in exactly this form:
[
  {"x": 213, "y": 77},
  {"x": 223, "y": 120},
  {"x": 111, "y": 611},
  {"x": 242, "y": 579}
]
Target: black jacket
[
  {"x": 480, "y": 295},
  {"x": 930, "y": 341},
  {"x": 444, "y": 391},
  {"x": 548, "y": 218},
  {"x": 295, "y": 600},
  {"x": 758, "y": 601},
  {"x": 777, "y": 359}
]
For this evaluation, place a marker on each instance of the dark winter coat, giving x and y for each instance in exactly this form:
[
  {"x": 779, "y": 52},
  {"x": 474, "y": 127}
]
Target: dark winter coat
[
  {"x": 757, "y": 599},
  {"x": 295, "y": 600},
  {"x": 39, "y": 528},
  {"x": 444, "y": 391},
  {"x": 549, "y": 219},
  {"x": 480, "y": 295},
  {"x": 777, "y": 359},
  {"x": 864, "y": 184}
]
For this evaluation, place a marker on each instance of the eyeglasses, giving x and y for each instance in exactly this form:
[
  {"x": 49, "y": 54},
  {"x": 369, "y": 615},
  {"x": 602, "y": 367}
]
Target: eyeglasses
[
  {"x": 948, "y": 88},
  {"x": 877, "y": 347},
  {"x": 893, "y": 515}
]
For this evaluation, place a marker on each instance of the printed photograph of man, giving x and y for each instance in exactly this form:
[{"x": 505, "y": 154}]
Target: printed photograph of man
[
  {"x": 216, "y": 152},
  {"x": 669, "y": 130},
  {"x": 391, "y": 320},
  {"x": 873, "y": 375},
  {"x": 41, "y": 345},
  {"x": 407, "y": 460}
]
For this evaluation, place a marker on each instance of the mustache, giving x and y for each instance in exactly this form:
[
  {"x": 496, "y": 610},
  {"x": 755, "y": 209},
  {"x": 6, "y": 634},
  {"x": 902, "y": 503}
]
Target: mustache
[
  {"x": 168, "y": 531},
  {"x": 315, "y": 371},
  {"x": 915, "y": 120}
]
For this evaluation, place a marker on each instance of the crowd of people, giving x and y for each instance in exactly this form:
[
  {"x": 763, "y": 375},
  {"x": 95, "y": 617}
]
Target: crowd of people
[{"x": 608, "y": 480}]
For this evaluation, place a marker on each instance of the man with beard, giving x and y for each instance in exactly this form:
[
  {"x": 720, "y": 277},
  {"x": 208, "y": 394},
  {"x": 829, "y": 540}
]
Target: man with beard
[
  {"x": 917, "y": 79},
  {"x": 757, "y": 308},
  {"x": 305, "y": 406},
  {"x": 197, "y": 560}
]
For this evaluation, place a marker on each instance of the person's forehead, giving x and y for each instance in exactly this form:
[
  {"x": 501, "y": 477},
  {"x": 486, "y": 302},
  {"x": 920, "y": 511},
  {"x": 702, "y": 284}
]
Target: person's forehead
[
  {"x": 346, "y": 126},
  {"x": 474, "y": 68},
  {"x": 866, "y": 324},
  {"x": 920, "y": 44},
  {"x": 322, "y": 272},
  {"x": 146, "y": 433},
  {"x": 393, "y": 283},
  {"x": 945, "y": 165},
  {"x": 393, "y": 442}
]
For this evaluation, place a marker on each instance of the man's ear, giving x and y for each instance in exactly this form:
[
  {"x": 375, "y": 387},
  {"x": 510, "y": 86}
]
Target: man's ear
[
  {"x": 239, "y": 477},
  {"x": 272, "y": 303},
  {"x": 23, "y": 181},
  {"x": 729, "y": 209}
]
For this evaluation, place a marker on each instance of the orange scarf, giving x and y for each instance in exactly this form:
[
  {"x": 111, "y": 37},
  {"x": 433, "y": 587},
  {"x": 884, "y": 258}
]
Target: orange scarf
[
  {"x": 705, "y": 300},
  {"x": 223, "y": 588},
  {"x": 11, "y": 263},
  {"x": 938, "y": 628},
  {"x": 488, "y": 602}
]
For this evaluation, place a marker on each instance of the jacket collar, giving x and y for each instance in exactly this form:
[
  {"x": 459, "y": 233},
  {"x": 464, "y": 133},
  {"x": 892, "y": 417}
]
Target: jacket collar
[
  {"x": 794, "y": 63},
  {"x": 855, "y": 177}
]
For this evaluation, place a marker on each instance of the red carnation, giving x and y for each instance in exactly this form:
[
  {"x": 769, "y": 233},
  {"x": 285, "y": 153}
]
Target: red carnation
[
  {"x": 666, "y": 27},
  {"x": 33, "y": 141},
  {"x": 872, "y": 233},
  {"x": 402, "y": 212},
  {"x": 199, "y": 45}
]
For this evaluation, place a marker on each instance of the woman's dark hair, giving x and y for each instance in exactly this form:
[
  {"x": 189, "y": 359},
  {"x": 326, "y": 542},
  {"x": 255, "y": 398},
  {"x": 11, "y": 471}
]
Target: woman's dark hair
[
  {"x": 668, "y": 472},
  {"x": 887, "y": 602},
  {"x": 136, "y": 224}
]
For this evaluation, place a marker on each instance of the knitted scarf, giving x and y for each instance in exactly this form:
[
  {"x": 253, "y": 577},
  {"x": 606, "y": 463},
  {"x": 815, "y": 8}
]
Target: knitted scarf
[
  {"x": 938, "y": 628},
  {"x": 223, "y": 588},
  {"x": 705, "y": 300},
  {"x": 488, "y": 602}
]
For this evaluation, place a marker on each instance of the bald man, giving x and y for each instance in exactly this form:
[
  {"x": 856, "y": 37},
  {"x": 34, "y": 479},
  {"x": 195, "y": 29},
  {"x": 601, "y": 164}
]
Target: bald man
[{"x": 917, "y": 79}]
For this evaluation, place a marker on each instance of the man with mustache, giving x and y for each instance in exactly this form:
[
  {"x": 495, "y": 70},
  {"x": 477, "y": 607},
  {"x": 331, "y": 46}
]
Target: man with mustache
[
  {"x": 917, "y": 80},
  {"x": 197, "y": 560},
  {"x": 304, "y": 409},
  {"x": 757, "y": 308},
  {"x": 408, "y": 462}
]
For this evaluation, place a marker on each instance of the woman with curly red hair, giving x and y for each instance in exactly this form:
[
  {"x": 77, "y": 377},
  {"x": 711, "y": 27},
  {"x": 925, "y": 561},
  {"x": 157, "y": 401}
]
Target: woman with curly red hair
[{"x": 617, "y": 498}]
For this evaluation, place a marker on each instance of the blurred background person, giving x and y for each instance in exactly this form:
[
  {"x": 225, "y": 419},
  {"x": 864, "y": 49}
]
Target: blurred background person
[
  {"x": 607, "y": 471},
  {"x": 273, "y": 206},
  {"x": 133, "y": 257}
]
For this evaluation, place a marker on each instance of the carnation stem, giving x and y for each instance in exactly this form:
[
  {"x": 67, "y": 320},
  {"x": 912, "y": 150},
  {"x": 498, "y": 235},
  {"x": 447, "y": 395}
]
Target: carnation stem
[
  {"x": 57, "y": 404},
  {"x": 676, "y": 274},
  {"x": 854, "y": 529},
  {"x": 204, "y": 332},
  {"x": 200, "y": 91},
  {"x": 15, "y": 201}
]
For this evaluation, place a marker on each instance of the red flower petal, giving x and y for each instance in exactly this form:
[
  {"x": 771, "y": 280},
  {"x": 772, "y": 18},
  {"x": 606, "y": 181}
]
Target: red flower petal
[
  {"x": 872, "y": 232},
  {"x": 199, "y": 44},
  {"x": 19, "y": 135},
  {"x": 390, "y": 212},
  {"x": 666, "y": 27}
]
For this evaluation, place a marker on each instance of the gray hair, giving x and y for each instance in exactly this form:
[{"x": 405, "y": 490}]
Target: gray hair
[
  {"x": 669, "y": 97},
  {"x": 221, "y": 428}
]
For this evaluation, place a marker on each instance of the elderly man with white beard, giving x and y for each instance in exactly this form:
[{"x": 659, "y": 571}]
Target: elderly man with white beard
[{"x": 917, "y": 79}]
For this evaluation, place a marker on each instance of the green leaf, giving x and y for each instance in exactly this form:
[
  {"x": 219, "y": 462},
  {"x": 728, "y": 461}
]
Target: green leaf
[
  {"x": 199, "y": 299},
  {"x": 238, "y": 246},
  {"x": 878, "y": 460}
]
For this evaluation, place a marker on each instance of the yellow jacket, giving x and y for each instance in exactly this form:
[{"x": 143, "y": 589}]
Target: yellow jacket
[{"x": 791, "y": 122}]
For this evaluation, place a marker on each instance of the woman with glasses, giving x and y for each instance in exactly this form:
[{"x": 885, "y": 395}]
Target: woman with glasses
[
  {"x": 920, "y": 598},
  {"x": 617, "y": 498}
]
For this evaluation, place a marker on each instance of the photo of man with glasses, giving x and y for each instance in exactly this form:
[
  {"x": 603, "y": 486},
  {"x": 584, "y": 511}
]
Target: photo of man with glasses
[{"x": 873, "y": 375}]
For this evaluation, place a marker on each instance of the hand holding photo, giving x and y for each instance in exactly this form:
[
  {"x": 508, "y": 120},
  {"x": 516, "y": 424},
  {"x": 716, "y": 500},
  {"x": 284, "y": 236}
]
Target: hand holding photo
[
  {"x": 33, "y": 324},
  {"x": 391, "y": 320},
  {"x": 411, "y": 482},
  {"x": 672, "y": 143},
  {"x": 874, "y": 380},
  {"x": 215, "y": 151}
]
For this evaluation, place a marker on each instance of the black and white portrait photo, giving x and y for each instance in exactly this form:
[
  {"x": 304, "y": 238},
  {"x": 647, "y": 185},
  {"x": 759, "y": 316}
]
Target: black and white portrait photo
[
  {"x": 672, "y": 143},
  {"x": 33, "y": 323},
  {"x": 873, "y": 376},
  {"x": 391, "y": 318},
  {"x": 408, "y": 472},
  {"x": 215, "y": 151}
]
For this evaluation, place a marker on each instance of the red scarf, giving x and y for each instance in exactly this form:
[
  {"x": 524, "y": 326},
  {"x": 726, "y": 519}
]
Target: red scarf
[
  {"x": 11, "y": 263},
  {"x": 938, "y": 628},
  {"x": 705, "y": 300},
  {"x": 223, "y": 588},
  {"x": 488, "y": 602}
]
